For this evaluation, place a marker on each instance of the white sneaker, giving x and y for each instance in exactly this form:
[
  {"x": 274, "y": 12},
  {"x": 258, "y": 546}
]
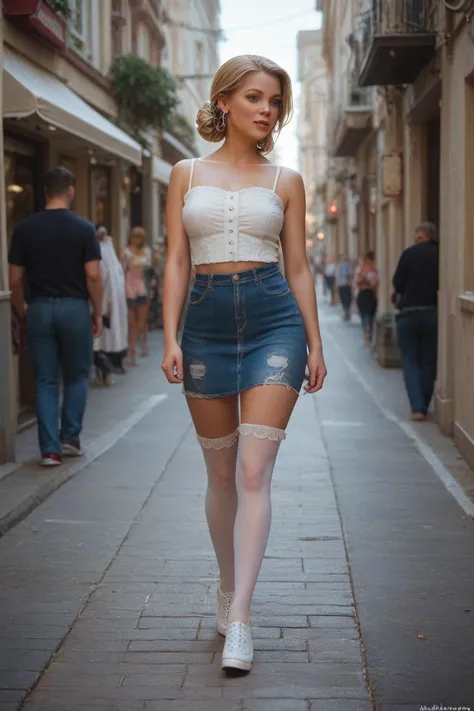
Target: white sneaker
[
  {"x": 223, "y": 606},
  {"x": 238, "y": 648},
  {"x": 72, "y": 450}
]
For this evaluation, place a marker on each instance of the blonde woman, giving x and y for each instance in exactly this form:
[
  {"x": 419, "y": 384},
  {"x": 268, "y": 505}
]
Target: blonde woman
[
  {"x": 248, "y": 333},
  {"x": 137, "y": 261}
]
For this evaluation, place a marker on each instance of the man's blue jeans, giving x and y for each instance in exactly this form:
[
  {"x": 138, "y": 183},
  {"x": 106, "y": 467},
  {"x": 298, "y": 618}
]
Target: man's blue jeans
[
  {"x": 417, "y": 335},
  {"x": 59, "y": 336}
]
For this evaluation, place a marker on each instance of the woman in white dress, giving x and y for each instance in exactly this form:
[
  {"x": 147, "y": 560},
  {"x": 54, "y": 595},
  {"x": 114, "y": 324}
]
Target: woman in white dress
[{"x": 110, "y": 348}]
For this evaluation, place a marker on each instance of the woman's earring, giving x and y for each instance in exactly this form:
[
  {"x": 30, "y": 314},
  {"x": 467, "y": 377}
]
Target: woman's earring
[
  {"x": 221, "y": 122},
  {"x": 260, "y": 145}
]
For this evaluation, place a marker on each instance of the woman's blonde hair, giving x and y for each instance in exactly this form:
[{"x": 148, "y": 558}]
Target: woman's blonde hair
[
  {"x": 226, "y": 81},
  {"x": 138, "y": 234}
]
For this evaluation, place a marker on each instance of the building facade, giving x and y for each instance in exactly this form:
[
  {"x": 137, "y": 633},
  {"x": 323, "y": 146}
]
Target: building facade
[
  {"x": 312, "y": 135},
  {"x": 193, "y": 31},
  {"x": 412, "y": 160},
  {"x": 58, "y": 108}
]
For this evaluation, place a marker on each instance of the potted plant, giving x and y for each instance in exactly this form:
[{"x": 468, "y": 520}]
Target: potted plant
[{"x": 146, "y": 96}]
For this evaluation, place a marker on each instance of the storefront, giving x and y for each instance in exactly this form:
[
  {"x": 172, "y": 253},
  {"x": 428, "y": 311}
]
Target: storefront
[
  {"x": 23, "y": 169},
  {"x": 68, "y": 132}
]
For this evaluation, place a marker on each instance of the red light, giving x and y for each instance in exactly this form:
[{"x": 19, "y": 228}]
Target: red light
[{"x": 333, "y": 209}]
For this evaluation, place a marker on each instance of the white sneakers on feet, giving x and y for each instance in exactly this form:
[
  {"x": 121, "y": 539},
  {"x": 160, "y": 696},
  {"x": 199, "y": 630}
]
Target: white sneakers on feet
[
  {"x": 223, "y": 606},
  {"x": 238, "y": 648}
]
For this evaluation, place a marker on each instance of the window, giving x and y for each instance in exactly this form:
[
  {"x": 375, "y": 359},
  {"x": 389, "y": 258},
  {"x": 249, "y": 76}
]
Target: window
[
  {"x": 79, "y": 17},
  {"x": 143, "y": 42}
]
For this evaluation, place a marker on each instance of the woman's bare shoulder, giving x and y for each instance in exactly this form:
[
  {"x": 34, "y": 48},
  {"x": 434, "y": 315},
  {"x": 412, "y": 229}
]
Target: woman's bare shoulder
[{"x": 290, "y": 176}]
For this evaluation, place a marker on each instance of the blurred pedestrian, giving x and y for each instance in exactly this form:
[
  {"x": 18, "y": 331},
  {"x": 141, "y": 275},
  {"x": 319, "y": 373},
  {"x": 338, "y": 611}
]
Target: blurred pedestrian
[
  {"x": 330, "y": 278},
  {"x": 110, "y": 348},
  {"x": 59, "y": 256},
  {"x": 366, "y": 282},
  {"x": 137, "y": 263},
  {"x": 416, "y": 282},
  {"x": 344, "y": 275}
]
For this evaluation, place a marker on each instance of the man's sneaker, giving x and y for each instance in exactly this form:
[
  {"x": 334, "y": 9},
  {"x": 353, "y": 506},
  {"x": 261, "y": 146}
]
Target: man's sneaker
[
  {"x": 51, "y": 460},
  {"x": 72, "y": 450}
]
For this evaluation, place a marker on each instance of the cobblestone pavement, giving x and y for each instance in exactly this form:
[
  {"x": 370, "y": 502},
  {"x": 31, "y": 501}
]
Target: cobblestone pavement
[{"x": 364, "y": 593}]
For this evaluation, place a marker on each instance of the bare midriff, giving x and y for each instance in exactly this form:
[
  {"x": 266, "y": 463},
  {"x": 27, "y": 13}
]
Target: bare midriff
[{"x": 228, "y": 267}]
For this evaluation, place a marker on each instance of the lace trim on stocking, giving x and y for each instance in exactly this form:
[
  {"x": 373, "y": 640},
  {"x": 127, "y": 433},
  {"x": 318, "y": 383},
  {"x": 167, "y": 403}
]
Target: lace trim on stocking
[
  {"x": 263, "y": 432},
  {"x": 220, "y": 442}
]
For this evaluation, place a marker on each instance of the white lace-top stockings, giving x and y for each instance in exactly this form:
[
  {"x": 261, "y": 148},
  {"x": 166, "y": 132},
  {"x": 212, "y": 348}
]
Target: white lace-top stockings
[{"x": 238, "y": 506}]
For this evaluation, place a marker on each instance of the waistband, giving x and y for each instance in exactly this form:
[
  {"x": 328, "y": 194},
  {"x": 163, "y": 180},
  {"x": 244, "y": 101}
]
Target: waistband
[{"x": 257, "y": 274}]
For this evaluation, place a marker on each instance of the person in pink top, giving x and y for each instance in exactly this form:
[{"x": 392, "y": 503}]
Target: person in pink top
[
  {"x": 366, "y": 283},
  {"x": 137, "y": 262}
]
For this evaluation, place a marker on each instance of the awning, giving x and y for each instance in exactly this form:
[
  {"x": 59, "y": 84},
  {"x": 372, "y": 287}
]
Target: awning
[
  {"x": 28, "y": 90},
  {"x": 161, "y": 170}
]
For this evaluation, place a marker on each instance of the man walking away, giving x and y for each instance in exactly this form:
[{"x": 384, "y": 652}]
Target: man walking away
[
  {"x": 59, "y": 255},
  {"x": 330, "y": 278},
  {"x": 344, "y": 284},
  {"x": 416, "y": 287}
]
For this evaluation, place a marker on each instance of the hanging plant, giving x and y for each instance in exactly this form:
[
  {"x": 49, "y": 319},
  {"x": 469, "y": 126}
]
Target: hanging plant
[
  {"x": 62, "y": 7},
  {"x": 146, "y": 97},
  {"x": 180, "y": 127}
]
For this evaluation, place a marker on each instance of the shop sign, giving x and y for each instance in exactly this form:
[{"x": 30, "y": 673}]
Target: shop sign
[{"x": 38, "y": 15}]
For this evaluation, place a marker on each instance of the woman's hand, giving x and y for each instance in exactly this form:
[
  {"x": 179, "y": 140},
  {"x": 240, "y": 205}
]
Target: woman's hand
[
  {"x": 172, "y": 364},
  {"x": 317, "y": 371}
]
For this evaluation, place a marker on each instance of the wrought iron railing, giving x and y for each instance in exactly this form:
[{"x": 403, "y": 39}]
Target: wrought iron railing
[{"x": 386, "y": 17}]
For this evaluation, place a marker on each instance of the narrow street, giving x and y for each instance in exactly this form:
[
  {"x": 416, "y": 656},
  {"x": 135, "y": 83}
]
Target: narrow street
[{"x": 365, "y": 599}]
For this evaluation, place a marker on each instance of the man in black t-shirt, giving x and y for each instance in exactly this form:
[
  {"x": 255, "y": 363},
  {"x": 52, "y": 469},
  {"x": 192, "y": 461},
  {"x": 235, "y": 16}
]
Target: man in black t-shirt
[
  {"x": 416, "y": 287},
  {"x": 58, "y": 255}
]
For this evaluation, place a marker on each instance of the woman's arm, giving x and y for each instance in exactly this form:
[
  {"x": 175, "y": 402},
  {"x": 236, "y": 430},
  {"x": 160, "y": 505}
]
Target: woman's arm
[
  {"x": 177, "y": 272},
  {"x": 299, "y": 278}
]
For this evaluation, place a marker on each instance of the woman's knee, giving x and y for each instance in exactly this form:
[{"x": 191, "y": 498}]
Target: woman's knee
[
  {"x": 252, "y": 475},
  {"x": 221, "y": 480}
]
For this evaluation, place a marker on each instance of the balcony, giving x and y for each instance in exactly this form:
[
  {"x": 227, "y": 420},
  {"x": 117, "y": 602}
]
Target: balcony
[
  {"x": 398, "y": 40},
  {"x": 39, "y": 16},
  {"x": 354, "y": 121}
]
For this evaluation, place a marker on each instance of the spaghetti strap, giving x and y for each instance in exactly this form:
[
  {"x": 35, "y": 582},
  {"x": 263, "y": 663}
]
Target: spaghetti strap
[
  {"x": 191, "y": 173},
  {"x": 276, "y": 178}
]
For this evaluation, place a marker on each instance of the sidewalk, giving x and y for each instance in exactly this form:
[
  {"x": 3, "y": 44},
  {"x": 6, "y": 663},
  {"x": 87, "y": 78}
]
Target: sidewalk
[
  {"x": 364, "y": 603},
  {"x": 125, "y": 584},
  {"x": 111, "y": 411},
  {"x": 386, "y": 389}
]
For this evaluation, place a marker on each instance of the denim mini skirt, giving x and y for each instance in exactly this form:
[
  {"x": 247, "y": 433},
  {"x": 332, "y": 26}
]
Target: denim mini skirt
[{"x": 242, "y": 330}]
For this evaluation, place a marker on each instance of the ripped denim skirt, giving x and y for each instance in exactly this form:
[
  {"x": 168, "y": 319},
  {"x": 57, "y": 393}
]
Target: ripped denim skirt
[{"x": 242, "y": 330}]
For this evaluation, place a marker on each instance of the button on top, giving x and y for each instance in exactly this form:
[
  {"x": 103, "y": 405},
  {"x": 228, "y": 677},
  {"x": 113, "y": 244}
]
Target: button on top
[
  {"x": 236, "y": 277},
  {"x": 231, "y": 208},
  {"x": 231, "y": 242},
  {"x": 231, "y": 219},
  {"x": 230, "y": 231}
]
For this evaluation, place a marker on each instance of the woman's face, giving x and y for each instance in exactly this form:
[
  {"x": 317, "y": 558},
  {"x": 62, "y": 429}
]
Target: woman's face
[
  {"x": 254, "y": 108},
  {"x": 137, "y": 242}
]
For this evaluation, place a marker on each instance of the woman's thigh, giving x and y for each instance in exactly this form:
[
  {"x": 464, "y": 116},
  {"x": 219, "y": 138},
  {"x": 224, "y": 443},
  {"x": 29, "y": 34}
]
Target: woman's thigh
[
  {"x": 269, "y": 405},
  {"x": 214, "y": 417}
]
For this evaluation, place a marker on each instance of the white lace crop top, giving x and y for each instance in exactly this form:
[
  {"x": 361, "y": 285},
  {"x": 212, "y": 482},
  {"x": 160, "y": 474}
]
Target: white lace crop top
[{"x": 232, "y": 226}]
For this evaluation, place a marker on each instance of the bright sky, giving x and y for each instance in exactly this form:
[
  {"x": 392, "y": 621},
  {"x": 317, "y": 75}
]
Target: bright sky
[{"x": 271, "y": 27}]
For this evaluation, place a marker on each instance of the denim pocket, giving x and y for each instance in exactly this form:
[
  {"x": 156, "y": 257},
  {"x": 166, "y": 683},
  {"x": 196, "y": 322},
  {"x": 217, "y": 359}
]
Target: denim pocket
[
  {"x": 274, "y": 286},
  {"x": 198, "y": 294}
]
